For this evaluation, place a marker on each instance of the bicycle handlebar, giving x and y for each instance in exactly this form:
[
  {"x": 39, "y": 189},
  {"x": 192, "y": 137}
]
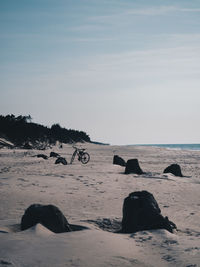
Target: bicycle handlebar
[{"x": 78, "y": 148}]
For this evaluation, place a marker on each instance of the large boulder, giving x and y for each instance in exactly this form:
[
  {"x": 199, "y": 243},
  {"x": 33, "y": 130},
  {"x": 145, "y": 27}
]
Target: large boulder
[
  {"x": 61, "y": 160},
  {"x": 54, "y": 154},
  {"x": 48, "y": 215},
  {"x": 141, "y": 212},
  {"x": 174, "y": 169},
  {"x": 119, "y": 161},
  {"x": 132, "y": 166}
]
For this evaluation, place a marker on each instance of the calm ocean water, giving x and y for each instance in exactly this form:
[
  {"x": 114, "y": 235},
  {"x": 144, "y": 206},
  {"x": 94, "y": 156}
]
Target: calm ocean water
[{"x": 178, "y": 146}]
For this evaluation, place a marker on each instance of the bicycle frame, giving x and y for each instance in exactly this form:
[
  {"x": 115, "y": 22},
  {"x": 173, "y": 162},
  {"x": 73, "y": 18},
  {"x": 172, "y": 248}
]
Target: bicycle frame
[{"x": 78, "y": 152}]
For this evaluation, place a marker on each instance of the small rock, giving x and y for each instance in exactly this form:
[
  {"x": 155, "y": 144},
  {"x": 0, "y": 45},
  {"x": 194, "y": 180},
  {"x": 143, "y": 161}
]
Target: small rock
[
  {"x": 54, "y": 154},
  {"x": 61, "y": 160},
  {"x": 119, "y": 161},
  {"x": 42, "y": 156}
]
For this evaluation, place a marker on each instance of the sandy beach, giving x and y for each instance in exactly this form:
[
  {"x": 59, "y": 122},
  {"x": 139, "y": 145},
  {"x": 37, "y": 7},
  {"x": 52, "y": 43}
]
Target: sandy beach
[{"x": 92, "y": 196}]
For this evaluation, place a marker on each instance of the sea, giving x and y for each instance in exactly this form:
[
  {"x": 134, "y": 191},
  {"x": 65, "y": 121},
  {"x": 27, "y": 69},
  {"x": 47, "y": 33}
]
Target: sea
[{"x": 177, "y": 146}]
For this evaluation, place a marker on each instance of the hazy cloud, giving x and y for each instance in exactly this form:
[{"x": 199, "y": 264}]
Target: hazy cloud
[{"x": 144, "y": 11}]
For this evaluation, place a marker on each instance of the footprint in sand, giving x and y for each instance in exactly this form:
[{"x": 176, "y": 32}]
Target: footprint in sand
[
  {"x": 168, "y": 258},
  {"x": 190, "y": 232},
  {"x": 192, "y": 250},
  {"x": 23, "y": 180},
  {"x": 34, "y": 184},
  {"x": 170, "y": 242},
  {"x": 5, "y": 169},
  {"x": 4, "y": 262},
  {"x": 143, "y": 239}
]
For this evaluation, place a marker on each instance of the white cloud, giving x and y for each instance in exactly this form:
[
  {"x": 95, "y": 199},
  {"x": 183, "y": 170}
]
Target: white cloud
[
  {"x": 161, "y": 10},
  {"x": 152, "y": 11},
  {"x": 139, "y": 68},
  {"x": 190, "y": 9},
  {"x": 143, "y": 11}
]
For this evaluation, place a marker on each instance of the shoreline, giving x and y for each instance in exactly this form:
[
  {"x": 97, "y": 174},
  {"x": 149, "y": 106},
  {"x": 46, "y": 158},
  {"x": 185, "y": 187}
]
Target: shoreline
[{"x": 191, "y": 147}]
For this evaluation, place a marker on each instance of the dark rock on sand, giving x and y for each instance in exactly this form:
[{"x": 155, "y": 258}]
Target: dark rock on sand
[
  {"x": 61, "y": 160},
  {"x": 48, "y": 215},
  {"x": 54, "y": 154},
  {"x": 42, "y": 156},
  {"x": 174, "y": 169},
  {"x": 132, "y": 166},
  {"x": 119, "y": 161},
  {"x": 141, "y": 212}
]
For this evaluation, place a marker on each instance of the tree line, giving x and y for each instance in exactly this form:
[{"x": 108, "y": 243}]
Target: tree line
[{"x": 20, "y": 130}]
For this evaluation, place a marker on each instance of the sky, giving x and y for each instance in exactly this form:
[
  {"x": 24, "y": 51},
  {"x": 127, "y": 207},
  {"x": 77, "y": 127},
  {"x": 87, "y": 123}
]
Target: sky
[{"x": 123, "y": 71}]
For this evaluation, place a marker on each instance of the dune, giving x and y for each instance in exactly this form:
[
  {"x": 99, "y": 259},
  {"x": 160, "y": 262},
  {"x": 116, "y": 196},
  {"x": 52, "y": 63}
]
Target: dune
[{"x": 91, "y": 197}]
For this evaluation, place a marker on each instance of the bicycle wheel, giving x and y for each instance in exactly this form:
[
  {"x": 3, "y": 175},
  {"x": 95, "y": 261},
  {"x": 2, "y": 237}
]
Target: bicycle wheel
[{"x": 85, "y": 157}]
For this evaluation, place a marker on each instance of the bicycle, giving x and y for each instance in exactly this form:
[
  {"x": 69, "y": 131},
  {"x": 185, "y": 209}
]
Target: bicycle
[{"x": 83, "y": 156}]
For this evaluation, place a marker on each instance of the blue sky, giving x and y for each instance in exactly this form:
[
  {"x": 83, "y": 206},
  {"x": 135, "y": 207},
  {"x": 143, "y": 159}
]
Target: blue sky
[{"x": 126, "y": 72}]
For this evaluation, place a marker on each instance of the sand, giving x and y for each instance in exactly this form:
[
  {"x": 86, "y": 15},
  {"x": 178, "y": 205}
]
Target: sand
[{"x": 92, "y": 196}]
